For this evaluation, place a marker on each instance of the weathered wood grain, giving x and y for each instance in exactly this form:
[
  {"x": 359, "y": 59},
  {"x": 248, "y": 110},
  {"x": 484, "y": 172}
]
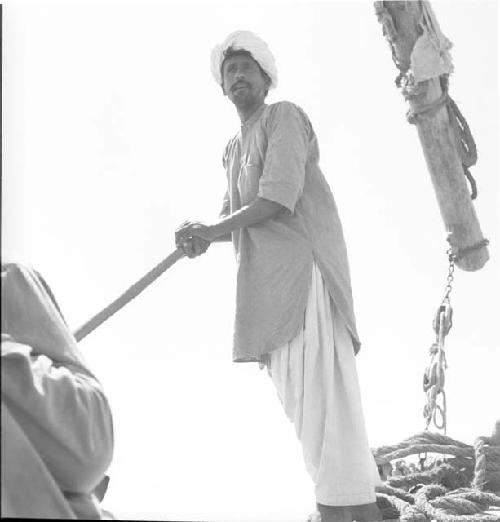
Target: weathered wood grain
[{"x": 401, "y": 23}]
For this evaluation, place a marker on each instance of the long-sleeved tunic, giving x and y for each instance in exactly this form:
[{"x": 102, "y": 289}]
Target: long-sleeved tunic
[{"x": 275, "y": 156}]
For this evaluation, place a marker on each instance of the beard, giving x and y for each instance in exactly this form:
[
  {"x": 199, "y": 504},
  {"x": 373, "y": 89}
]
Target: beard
[{"x": 246, "y": 98}]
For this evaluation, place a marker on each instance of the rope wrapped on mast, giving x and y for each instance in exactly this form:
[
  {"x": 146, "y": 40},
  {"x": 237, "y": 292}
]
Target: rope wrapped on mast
[{"x": 466, "y": 146}]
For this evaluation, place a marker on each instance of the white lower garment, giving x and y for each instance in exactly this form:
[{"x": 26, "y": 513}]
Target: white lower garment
[{"x": 317, "y": 382}]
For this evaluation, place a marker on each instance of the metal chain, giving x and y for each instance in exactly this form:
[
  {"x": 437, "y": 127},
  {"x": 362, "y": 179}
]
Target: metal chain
[
  {"x": 434, "y": 375},
  {"x": 451, "y": 269}
]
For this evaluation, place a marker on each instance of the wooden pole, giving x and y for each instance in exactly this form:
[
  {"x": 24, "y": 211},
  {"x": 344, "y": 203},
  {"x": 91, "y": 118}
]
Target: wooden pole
[
  {"x": 128, "y": 295},
  {"x": 401, "y": 21}
]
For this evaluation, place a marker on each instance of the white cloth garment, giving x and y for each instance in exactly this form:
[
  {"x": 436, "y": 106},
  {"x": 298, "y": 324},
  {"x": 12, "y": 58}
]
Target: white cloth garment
[
  {"x": 245, "y": 41},
  {"x": 316, "y": 379}
]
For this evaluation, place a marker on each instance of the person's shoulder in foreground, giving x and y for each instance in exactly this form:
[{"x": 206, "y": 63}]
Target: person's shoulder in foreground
[{"x": 57, "y": 432}]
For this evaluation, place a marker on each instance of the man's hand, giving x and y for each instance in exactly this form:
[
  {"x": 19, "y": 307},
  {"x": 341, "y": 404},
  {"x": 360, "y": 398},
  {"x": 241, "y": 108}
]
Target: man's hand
[
  {"x": 256, "y": 212},
  {"x": 194, "y": 247},
  {"x": 191, "y": 229},
  {"x": 191, "y": 236}
]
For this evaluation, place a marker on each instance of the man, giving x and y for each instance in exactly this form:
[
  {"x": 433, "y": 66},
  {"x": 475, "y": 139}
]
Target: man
[
  {"x": 294, "y": 311},
  {"x": 57, "y": 432}
]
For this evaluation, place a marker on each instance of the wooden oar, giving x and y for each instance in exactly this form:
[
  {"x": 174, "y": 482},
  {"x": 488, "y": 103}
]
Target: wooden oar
[{"x": 128, "y": 295}]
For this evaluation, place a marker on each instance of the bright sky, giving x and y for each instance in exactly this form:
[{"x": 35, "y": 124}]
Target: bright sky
[{"x": 113, "y": 135}]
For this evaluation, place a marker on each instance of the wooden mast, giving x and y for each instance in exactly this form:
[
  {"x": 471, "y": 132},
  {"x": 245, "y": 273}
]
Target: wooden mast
[{"x": 404, "y": 23}]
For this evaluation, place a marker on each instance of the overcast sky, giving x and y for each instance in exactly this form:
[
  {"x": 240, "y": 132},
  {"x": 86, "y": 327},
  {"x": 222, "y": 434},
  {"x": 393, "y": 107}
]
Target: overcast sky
[{"x": 113, "y": 134}]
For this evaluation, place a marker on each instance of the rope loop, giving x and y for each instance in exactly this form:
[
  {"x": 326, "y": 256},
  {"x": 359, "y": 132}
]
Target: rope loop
[
  {"x": 440, "y": 411},
  {"x": 413, "y": 115},
  {"x": 461, "y": 252},
  {"x": 467, "y": 145}
]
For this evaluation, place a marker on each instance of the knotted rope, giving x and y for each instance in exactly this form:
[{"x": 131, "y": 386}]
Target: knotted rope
[
  {"x": 446, "y": 490},
  {"x": 466, "y": 146}
]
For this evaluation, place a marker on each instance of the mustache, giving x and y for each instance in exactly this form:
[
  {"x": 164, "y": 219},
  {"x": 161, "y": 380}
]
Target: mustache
[{"x": 240, "y": 84}]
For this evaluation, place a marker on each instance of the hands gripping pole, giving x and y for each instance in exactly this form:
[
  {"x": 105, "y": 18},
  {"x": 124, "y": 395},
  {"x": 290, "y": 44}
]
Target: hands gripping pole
[{"x": 128, "y": 295}]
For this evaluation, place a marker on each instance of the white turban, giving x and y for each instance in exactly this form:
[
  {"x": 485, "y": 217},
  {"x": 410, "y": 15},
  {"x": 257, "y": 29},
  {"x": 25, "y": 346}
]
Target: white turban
[{"x": 245, "y": 41}]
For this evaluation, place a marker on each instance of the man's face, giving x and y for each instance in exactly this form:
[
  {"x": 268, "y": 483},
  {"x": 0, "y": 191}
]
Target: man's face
[{"x": 243, "y": 81}]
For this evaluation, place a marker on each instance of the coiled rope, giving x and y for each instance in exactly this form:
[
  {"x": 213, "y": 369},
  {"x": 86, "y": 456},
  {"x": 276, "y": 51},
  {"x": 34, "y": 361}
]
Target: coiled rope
[{"x": 458, "y": 489}]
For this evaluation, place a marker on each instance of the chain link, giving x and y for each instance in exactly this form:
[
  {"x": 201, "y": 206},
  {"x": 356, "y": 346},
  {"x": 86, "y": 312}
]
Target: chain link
[
  {"x": 451, "y": 269},
  {"x": 434, "y": 375}
]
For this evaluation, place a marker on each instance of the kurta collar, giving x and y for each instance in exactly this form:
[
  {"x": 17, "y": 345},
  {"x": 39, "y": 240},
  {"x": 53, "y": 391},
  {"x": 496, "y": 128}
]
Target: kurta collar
[{"x": 254, "y": 117}]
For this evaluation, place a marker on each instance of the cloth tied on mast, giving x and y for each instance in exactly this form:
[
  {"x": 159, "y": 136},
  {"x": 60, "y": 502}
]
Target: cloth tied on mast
[
  {"x": 430, "y": 57},
  {"x": 245, "y": 41}
]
